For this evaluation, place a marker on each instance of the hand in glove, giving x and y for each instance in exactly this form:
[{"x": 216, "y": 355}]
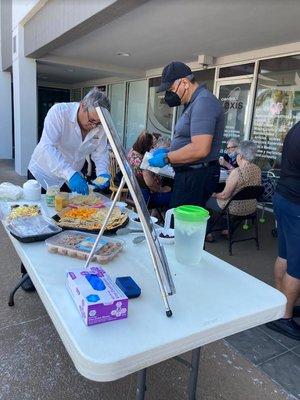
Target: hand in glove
[
  {"x": 78, "y": 184},
  {"x": 158, "y": 160},
  {"x": 104, "y": 181},
  {"x": 164, "y": 150}
]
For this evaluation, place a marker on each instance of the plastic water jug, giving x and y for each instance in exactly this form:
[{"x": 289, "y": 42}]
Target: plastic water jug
[{"x": 190, "y": 231}]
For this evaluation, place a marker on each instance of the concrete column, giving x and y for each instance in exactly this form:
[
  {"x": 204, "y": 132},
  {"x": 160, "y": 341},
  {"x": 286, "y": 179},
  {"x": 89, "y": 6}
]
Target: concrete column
[
  {"x": 5, "y": 116},
  {"x": 25, "y": 103}
]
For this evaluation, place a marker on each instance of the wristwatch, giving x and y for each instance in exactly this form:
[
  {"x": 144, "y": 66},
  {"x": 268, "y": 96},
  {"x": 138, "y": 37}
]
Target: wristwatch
[{"x": 167, "y": 159}]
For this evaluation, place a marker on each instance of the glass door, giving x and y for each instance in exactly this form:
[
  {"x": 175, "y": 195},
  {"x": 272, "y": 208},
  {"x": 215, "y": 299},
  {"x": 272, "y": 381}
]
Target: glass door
[
  {"x": 136, "y": 111},
  {"x": 236, "y": 94},
  {"x": 117, "y": 95}
]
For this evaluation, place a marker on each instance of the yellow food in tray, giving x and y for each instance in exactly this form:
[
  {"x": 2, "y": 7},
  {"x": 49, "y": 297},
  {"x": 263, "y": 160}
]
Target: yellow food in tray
[
  {"x": 100, "y": 180},
  {"x": 24, "y": 210},
  {"x": 90, "y": 218},
  {"x": 89, "y": 200},
  {"x": 80, "y": 212}
]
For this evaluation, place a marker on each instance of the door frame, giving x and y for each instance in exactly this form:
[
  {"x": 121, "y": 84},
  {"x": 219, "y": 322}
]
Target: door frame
[{"x": 236, "y": 81}]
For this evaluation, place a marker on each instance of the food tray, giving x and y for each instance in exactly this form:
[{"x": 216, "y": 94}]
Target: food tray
[
  {"x": 32, "y": 229},
  {"x": 95, "y": 231},
  {"x": 79, "y": 244},
  {"x": 25, "y": 209}
]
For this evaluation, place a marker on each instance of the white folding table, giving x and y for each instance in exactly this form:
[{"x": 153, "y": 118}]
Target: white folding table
[{"x": 213, "y": 300}]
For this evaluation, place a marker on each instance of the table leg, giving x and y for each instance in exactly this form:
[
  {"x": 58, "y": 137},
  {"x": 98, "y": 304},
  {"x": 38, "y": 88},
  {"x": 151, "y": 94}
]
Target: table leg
[
  {"x": 141, "y": 384},
  {"x": 194, "y": 374},
  {"x": 12, "y": 293}
]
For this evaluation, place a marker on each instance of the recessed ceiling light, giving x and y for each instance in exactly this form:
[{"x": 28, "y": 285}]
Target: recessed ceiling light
[{"x": 123, "y": 54}]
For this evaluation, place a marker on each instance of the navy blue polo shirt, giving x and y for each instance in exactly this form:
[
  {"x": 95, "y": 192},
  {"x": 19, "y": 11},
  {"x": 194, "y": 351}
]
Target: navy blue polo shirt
[{"x": 203, "y": 115}]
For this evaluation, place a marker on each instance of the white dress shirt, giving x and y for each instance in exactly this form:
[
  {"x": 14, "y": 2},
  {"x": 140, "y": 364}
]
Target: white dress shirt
[{"x": 61, "y": 151}]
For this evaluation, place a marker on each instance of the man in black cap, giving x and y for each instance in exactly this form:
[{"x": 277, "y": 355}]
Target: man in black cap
[{"x": 196, "y": 143}]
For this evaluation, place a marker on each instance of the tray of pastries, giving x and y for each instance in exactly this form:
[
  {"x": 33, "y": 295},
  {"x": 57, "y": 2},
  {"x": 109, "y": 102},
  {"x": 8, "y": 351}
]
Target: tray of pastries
[{"x": 91, "y": 219}]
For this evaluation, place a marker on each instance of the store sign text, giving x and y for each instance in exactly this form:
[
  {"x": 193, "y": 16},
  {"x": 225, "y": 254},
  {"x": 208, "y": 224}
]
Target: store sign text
[{"x": 231, "y": 103}]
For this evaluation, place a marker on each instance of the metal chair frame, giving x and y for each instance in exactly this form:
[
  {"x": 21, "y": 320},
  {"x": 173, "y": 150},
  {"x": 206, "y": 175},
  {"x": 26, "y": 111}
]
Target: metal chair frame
[
  {"x": 114, "y": 169},
  {"x": 234, "y": 221}
]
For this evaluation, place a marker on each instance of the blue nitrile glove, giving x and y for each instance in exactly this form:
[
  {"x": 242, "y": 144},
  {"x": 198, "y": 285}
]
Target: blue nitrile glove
[
  {"x": 78, "y": 184},
  {"x": 161, "y": 150},
  {"x": 158, "y": 160},
  {"x": 104, "y": 185}
]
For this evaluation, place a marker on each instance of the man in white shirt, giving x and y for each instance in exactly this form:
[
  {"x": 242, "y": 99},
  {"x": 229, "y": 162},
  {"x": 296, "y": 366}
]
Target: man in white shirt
[{"x": 72, "y": 131}]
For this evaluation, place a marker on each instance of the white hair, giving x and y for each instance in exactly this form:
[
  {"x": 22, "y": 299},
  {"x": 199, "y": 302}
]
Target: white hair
[
  {"x": 247, "y": 150},
  {"x": 95, "y": 98}
]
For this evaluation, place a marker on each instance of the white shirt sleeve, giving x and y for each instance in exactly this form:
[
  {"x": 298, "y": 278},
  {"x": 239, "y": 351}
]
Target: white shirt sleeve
[
  {"x": 100, "y": 155},
  {"x": 51, "y": 138}
]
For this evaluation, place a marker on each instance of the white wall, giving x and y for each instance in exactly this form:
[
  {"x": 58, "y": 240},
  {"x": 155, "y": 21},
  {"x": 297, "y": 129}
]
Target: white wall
[
  {"x": 5, "y": 116},
  {"x": 24, "y": 79},
  {"x": 25, "y": 104},
  {"x": 5, "y": 111},
  {"x": 20, "y": 8}
]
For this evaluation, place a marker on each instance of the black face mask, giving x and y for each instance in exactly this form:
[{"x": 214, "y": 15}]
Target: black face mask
[{"x": 172, "y": 99}]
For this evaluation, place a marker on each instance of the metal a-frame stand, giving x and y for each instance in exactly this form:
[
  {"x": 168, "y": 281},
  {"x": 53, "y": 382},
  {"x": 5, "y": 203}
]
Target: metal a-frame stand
[{"x": 157, "y": 253}]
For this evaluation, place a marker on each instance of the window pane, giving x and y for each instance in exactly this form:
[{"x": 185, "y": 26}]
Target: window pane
[
  {"x": 235, "y": 99},
  {"x": 117, "y": 100},
  {"x": 86, "y": 90},
  {"x": 236, "y": 70},
  {"x": 75, "y": 95},
  {"x": 159, "y": 118},
  {"x": 136, "y": 111},
  {"x": 206, "y": 76},
  {"x": 277, "y": 107}
]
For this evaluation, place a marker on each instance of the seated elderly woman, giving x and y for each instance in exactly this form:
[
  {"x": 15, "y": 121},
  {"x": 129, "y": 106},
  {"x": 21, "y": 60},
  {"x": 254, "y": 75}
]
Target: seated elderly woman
[
  {"x": 150, "y": 183},
  {"x": 246, "y": 174},
  {"x": 228, "y": 161}
]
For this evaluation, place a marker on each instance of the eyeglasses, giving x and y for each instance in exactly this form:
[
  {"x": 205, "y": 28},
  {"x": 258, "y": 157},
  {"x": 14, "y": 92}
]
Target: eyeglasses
[
  {"x": 92, "y": 121},
  {"x": 174, "y": 90},
  {"x": 231, "y": 147}
]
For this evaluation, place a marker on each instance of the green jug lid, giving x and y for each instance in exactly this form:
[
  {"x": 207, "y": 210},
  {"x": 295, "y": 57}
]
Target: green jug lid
[{"x": 191, "y": 213}]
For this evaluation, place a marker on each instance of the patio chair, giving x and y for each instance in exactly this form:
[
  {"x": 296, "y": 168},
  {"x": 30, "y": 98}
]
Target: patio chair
[
  {"x": 269, "y": 181},
  {"x": 234, "y": 221},
  {"x": 114, "y": 169}
]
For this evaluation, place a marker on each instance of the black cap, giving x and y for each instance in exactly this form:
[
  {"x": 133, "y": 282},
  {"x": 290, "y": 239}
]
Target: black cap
[{"x": 173, "y": 71}]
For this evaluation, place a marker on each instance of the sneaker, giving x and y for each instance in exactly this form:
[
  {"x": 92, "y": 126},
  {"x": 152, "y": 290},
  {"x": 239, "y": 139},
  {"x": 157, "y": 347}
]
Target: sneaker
[
  {"x": 27, "y": 285},
  {"x": 296, "y": 312},
  {"x": 286, "y": 326}
]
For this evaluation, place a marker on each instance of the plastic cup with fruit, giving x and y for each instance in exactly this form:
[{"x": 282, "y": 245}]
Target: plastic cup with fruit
[
  {"x": 135, "y": 220},
  {"x": 165, "y": 235}
]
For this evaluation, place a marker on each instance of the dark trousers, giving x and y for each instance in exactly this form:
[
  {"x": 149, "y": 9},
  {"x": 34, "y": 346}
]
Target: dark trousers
[{"x": 194, "y": 186}]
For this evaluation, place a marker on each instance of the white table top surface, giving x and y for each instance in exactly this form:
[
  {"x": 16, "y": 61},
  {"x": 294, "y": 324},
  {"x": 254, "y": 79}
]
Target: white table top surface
[{"x": 213, "y": 300}]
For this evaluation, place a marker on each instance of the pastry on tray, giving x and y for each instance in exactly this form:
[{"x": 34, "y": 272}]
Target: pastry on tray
[
  {"x": 90, "y": 200},
  {"x": 79, "y": 245},
  {"x": 91, "y": 218}
]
